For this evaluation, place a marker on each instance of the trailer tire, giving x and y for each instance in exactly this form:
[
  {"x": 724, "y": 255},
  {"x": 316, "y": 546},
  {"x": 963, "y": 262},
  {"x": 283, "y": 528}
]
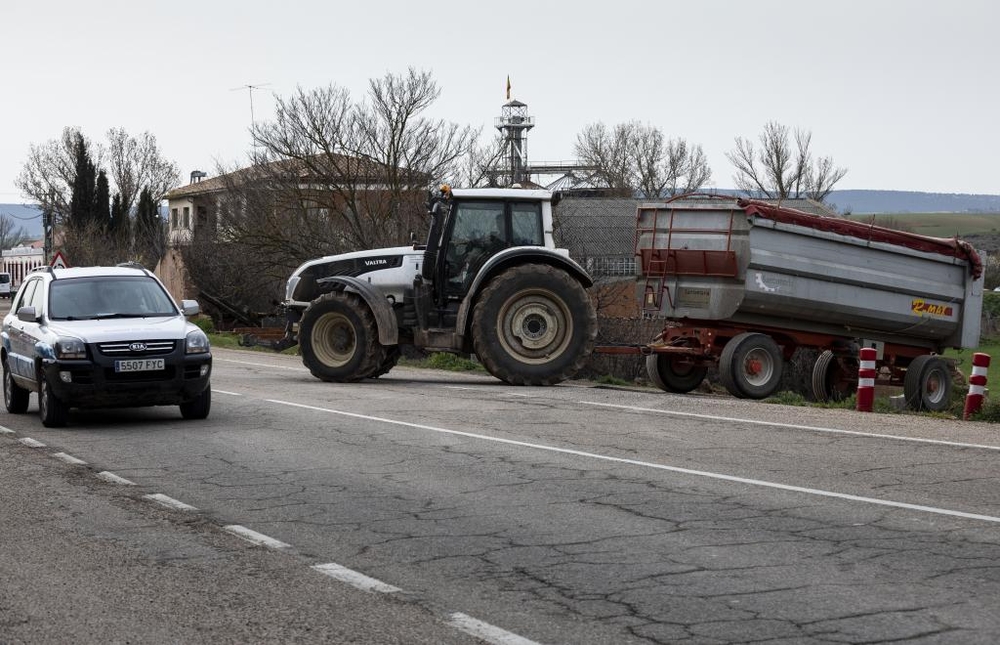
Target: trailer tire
[
  {"x": 830, "y": 380},
  {"x": 339, "y": 338},
  {"x": 533, "y": 324},
  {"x": 928, "y": 384},
  {"x": 750, "y": 366},
  {"x": 671, "y": 374}
]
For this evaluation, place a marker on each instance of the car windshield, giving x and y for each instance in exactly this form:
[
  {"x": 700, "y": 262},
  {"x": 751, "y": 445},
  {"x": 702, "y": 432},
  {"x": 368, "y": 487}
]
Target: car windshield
[{"x": 108, "y": 297}]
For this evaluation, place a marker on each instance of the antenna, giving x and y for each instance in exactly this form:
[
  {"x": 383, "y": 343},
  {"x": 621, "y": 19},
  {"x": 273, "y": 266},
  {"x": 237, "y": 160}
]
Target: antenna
[{"x": 251, "y": 88}]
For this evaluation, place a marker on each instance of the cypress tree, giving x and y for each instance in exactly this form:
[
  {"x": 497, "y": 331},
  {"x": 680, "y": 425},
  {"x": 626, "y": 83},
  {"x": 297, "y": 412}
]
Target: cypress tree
[
  {"x": 84, "y": 195},
  {"x": 101, "y": 213}
]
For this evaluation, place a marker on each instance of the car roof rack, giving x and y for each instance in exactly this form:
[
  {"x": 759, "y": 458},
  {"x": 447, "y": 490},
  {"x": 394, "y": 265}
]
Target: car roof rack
[{"x": 132, "y": 264}]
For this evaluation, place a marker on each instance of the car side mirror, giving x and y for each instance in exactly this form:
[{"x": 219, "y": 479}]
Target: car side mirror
[
  {"x": 27, "y": 314},
  {"x": 190, "y": 307}
]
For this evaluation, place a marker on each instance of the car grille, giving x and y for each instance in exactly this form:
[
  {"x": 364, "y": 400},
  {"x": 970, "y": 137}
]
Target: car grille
[{"x": 125, "y": 347}]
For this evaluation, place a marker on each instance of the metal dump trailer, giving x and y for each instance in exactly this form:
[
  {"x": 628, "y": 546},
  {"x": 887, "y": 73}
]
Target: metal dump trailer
[{"x": 743, "y": 283}]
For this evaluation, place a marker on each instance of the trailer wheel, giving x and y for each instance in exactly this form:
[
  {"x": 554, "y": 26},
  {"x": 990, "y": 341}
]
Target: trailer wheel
[
  {"x": 832, "y": 380},
  {"x": 928, "y": 384},
  {"x": 673, "y": 374},
  {"x": 534, "y": 324},
  {"x": 339, "y": 338},
  {"x": 750, "y": 366}
]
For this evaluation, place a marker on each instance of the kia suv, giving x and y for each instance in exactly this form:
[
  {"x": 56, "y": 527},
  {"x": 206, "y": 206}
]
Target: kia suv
[{"x": 97, "y": 337}]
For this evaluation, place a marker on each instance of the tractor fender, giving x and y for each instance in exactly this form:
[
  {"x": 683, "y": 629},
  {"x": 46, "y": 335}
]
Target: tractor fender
[
  {"x": 513, "y": 257},
  {"x": 385, "y": 319}
]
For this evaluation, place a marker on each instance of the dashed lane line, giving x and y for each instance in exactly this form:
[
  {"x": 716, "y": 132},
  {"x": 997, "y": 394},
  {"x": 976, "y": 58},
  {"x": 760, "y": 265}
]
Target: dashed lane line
[
  {"x": 256, "y": 538},
  {"x": 31, "y": 443},
  {"x": 777, "y": 424},
  {"x": 485, "y": 631},
  {"x": 354, "y": 578},
  {"x": 169, "y": 502},
  {"x": 4, "y": 430},
  {"x": 69, "y": 459},
  {"x": 112, "y": 478},
  {"x": 646, "y": 464}
]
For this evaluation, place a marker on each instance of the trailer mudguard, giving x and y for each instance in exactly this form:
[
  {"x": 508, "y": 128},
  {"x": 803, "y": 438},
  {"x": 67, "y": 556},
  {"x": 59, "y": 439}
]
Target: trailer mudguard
[{"x": 385, "y": 319}]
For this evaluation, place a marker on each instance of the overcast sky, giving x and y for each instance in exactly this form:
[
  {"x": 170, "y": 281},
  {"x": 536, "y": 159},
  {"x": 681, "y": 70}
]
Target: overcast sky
[{"x": 904, "y": 94}]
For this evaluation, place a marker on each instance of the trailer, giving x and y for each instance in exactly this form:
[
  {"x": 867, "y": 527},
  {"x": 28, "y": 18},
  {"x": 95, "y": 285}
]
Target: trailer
[{"x": 742, "y": 284}]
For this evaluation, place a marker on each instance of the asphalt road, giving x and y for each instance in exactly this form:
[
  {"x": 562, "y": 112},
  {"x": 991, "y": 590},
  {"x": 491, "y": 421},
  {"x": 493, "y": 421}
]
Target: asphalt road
[{"x": 439, "y": 507}]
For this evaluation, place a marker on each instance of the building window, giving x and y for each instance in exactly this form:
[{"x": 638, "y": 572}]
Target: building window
[
  {"x": 187, "y": 217},
  {"x": 173, "y": 219}
]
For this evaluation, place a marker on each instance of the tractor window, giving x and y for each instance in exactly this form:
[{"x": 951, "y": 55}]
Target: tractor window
[
  {"x": 526, "y": 225},
  {"x": 479, "y": 231}
]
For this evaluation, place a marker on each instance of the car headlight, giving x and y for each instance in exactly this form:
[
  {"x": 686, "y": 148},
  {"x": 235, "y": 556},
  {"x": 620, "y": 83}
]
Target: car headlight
[
  {"x": 196, "y": 343},
  {"x": 68, "y": 347}
]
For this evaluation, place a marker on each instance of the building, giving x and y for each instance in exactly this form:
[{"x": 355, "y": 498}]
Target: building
[{"x": 21, "y": 260}]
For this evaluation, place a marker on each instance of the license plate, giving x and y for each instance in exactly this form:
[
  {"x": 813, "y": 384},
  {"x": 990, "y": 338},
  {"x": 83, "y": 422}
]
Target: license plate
[{"x": 140, "y": 365}]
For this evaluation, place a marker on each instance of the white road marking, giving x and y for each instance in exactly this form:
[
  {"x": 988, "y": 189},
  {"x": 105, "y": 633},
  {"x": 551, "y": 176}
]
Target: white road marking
[
  {"x": 4, "y": 430},
  {"x": 253, "y": 536},
  {"x": 490, "y": 390},
  {"x": 112, "y": 478},
  {"x": 485, "y": 631},
  {"x": 169, "y": 502},
  {"x": 267, "y": 365},
  {"x": 32, "y": 443},
  {"x": 355, "y": 579},
  {"x": 647, "y": 464},
  {"x": 69, "y": 459},
  {"x": 776, "y": 424},
  {"x": 225, "y": 392}
]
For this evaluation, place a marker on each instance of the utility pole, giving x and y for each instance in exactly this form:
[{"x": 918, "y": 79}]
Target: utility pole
[{"x": 47, "y": 232}]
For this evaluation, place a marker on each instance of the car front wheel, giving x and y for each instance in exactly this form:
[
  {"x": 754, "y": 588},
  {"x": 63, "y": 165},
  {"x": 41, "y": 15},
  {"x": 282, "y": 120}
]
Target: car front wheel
[
  {"x": 198, "y": 407},
  {"x": 52, "y": 411}
]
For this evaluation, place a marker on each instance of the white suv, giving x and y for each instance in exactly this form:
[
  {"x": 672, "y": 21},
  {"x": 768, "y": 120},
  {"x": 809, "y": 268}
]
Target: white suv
[{"x": 102, "y": 337}]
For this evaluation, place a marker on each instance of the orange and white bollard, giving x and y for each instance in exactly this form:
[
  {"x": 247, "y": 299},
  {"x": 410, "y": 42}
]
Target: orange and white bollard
[
  {"x": 977, "y": 384},
  {"x": 866, "y": 379}
]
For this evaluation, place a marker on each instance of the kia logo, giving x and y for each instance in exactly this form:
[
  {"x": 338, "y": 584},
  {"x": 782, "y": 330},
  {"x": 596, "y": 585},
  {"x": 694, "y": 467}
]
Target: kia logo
[{"x": 137, "y": 347}]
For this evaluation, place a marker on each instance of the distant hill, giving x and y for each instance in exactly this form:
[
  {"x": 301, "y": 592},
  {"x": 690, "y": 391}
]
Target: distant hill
[
  {"x": 858, "y": 202},
  {"x": 899, "y": 201},
  {"x": 28, "y": 217}
]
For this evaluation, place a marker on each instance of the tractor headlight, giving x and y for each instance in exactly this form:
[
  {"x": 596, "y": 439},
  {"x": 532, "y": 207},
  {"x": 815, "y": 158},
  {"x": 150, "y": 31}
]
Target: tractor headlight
[{"x": 196, "y": 342}]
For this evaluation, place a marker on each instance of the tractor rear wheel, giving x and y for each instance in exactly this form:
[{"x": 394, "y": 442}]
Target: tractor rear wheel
[
  {"x": 339, "y": 338},
  {"x": 534, "y": 324}
]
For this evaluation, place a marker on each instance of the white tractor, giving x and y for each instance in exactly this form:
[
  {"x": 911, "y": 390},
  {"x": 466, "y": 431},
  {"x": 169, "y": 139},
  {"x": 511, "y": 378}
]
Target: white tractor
[{"x": 489, "y": 282}]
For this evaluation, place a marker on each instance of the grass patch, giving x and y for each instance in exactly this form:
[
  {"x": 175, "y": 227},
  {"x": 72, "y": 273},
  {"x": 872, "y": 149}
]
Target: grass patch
[
  {"x": 786, "y": 398},
  {"x": 608, "y": 379},
  {"x": 444, "y": 361}
]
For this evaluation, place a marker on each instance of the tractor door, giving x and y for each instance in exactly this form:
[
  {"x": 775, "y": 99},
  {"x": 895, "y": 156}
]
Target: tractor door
[{"x": 478, "y": 230}]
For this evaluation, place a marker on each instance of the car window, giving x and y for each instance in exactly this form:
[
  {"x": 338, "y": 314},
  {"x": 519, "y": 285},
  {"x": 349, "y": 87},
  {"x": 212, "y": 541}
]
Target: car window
[
  {"x": 108, "y": 297},
  {"x": 31, "y": 296}
]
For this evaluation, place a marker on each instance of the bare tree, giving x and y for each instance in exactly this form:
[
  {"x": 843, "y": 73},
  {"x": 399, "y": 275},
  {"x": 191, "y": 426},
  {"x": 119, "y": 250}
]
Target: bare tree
[
  {"x": 365, "y": 165},
  {"x": 633, "y": 157},
  {"x": 50, "y": 171},
  {"x": 136, "y": 163},
  {"x": 781, "y": 168},
  {"x": 11, "y": 234}
]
